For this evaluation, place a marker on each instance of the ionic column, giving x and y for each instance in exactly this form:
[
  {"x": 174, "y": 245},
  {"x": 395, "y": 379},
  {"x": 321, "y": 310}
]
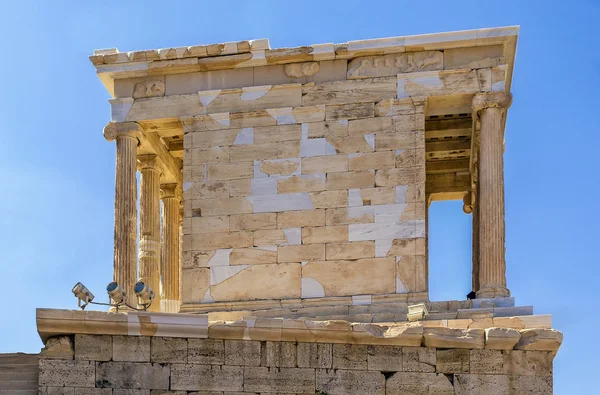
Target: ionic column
[
  {"x": 490, "y": 207},
  {"x": 127, "y": 136},
  {"x": 169, "y": 263},
  {"x": 149, "y": 247}
]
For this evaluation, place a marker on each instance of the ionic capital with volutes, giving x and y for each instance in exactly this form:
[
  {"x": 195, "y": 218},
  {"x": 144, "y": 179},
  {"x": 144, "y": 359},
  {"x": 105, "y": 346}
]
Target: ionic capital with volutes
[
  {"x": 115, "y": 130},
  {"x": 501, "y": 100}
]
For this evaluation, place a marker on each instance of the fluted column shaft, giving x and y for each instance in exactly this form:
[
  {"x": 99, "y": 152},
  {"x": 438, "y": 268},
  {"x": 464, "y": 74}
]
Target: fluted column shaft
[
  {"x": 490, "y": 205},
  {"x": 127, "y": 139},
  {"x": 149, "y": 247},
  {"x": 169, "y": 266},
  {"x": 475, "y": 254}
]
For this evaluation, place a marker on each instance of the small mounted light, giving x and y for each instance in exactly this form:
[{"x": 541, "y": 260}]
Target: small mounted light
[
  {"x": 83, "y": 295},
  {"x": 144, "y": 292},
  {"x": 116, "y": 293}
]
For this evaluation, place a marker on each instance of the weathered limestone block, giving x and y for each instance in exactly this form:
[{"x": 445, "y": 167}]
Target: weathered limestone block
[
  {"x": 324, "y": 234},
  {"x": 487, "y": 361},
  {"x": 343, "y": 92},
  {"x": 258, "y": 221},
  {"x": 352, "y": 250},
  {"x": 270, "y": 237},
  {"x": 418, "y": 359},
  {"x": 411, "y": 271},
  {"x": 131, "y": 392},
  {"x": 83, "y": 391},
  {"x": 350, "y": 356},
  {"x": 371, "y": 196},
  {"x": 372, "y": 161},
  {"x": 279, "y": 354},
  {"x": 501, "y": 338},
  {"x": 252, "y": 256},
  {"x": 409, "y": 383},
  {"x": 300, "y": 253},
  {"x": 132, "y": 375},
  {"x": 351, "y": 179},
  {"x": 207, "y": 190},
  {"x": 453, "y": 338},
  {"x": 303, "y": 183},
  {"x": 252, "y": 152},
  {"x": 284, "y": 167},
  {"x": 315, "y": 355},
  {"x": 352, "y": 144},
  {"x": 250, "y": 98},
  {"x": 229, "y": 171},
  {"x": 149, "y": 89},
  {"x": 349, "y": 111},
  {"x": 474, "y": 58},
  {"x": 93, "y": 348},
  {"x": 279, "y": 380},
  {"x": 491, "y": 384},
  {"x": 452, "y": 360},
  {"x": 206, "y": 378},
  {"x": 350, "y": 382},
  {"x": 60, "y": 373},
  {"x": 57, "y": 391},
  {"x": 402, "y": 176},
  {"x": 58, "y": 348},
  {"x": 392, "y": 64},
  {"x": 131, "y": 348},
  {"x": 384, "y": 358},
  {"x": 351, "y": 215},
  {"x": 222, "y": 240},
  {"x": 169, "y": 349},
  {"x": 439, "y": 83},
  {"x": 324, "y": 164},
  {"x": 206, "y": 351},
  {"x": 528, "y": 363},
  {"x": 540, "y": 340},
  {"x": 242, "y": 352},
  {"x": 329, "y": 199},
  {"x": 222, "y": 206}
]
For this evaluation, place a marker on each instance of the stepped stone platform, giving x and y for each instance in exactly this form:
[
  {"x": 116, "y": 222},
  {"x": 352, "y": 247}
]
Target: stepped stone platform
[{"x": 19, "y": 374}]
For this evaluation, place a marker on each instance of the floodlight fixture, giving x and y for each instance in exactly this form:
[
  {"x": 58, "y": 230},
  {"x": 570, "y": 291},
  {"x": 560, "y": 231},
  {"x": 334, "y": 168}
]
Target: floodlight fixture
[
  {"x": 84, "y": 296},
  {"x": 116, "y": 293}
]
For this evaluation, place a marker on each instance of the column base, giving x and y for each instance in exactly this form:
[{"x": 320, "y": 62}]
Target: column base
[
  {"x": 170, "y": 306},
  {"x": 493, "y": 292}
]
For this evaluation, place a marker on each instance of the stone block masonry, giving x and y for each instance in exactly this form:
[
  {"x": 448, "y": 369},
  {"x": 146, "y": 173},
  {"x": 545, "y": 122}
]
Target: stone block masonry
[{"x": 160, "y": 365}]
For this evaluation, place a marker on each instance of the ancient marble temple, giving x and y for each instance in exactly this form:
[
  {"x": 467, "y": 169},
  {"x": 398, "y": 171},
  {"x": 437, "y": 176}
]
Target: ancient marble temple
[{"x": 283, "y": 224}]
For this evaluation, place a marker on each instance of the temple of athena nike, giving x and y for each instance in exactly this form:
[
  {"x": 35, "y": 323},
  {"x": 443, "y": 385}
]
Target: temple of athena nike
[{"x": 283, "y": 200}]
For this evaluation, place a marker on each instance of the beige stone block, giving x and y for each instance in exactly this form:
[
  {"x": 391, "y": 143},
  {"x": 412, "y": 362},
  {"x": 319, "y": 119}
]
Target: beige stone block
[
  {"x": 301, "y": 253},
  {"x": 133, "y": 375},
  {"x": 351, "y": 179},
  {"x": 59, "y": 390},
  {"x": 210, "y": 155},
  {"x": 315, "y": 355},
  {"x": 71, "y": 373},
  {"x": 350, "y": 356},
  {"x": 528, "y": 363},
  {"x": 279, "y": 281},
  {"x": 164, "y": 107},
  {"x": 229, "y": 171},
  {"x": 403, "y": 247},
  {"x": 252, "y": 256},
  {"x": 208, "y": 190},
  {"x": 168, "y": 350},
  {"x": 350, "y": 382},
  {"x": 342, "y": 92},
  {"x": 206, "y": 351},
  {"x": 351, "y": 250},
  {"x": 218, "y": 224},
  {"x": 242, "y": 352},
  {"x": 418, "y": 359},
  {"x": 392, "y": 64},
  {"x": 305, "y": 183},
  {"x": 384, "y": 358},
  {"x": 269, "y": 237},
  {"x": 352, "y": 215},
  {"x": 280, "y": 167},
  {"x": 222, "y": 240},
  {"x": 279, "y": 354},
  {"x": 399, "y": 141},
  {"x": 298, "y": 219},
  {"x": 266, "y": 134},
  {"x": 361, "y": 276},
  {"x": 491, "y": 384},
  {"x": 131, "y": 348},
  {"x": 535, "y": 339},
  {"x": 249, "y": 119},
  {"x": 93, "y": 348},
  {"x": 440, "y": 83},
  {"x": 307, "y": 114},
  {"x": 213, "y": 138},
  {"x": 410, "y": 158},
  {"x": 279, "y": 380},
  {"x": 195, "y": 284},
  {"x": 324, "y": 234},
  {"x": 58, "y": 348},
  {"x": 329, "y": 129},
  {"x": 474, "y": 57},
  {"x": 377, "y": 125},
  {"x": 251, "y": 98},
  {"x": 454, "y": 360},
  {"x": 288, "y": 149},
  {"x": 486, "y": 361},
  {"x": 218, "y": 79},
  {"x": 251, "y": 152},
  {"x": 223, "y": 206},
  {"x": 412, "y": 383},
  {"x": 134, "y": 392},
  {"x": 349, "y": 111},
  {"x": 329, "y": 70},
  {"x": 206, "y": 378},
  {"x": 239, "y": 188},
  {"x": 371, "y": 161},
  {"x": 501, "y": 338},
  {"x": 257, "y": 221},
  {"x": 376, "y": 196},
  {"x": 411, "y": 270},
  {"x": 350, "y": 144},
  {"x": 329, "y": 199},
  {"x": 325, "y": 164},
  {"x": 394, "y": 177},
  {"x": 453, "y": 338}
]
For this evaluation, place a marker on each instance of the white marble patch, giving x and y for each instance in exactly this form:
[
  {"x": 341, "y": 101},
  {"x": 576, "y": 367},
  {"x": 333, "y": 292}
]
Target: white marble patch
[
  {"x": 218, "y": 274},
  {"x": 221, "y": 118},
  {"x": 361, "y": 300},
  {"x": 221, "y": 258},
  {"x": 305, "y": 128},
  {"x": 354, "y": 198},
  {"x": 382, "y": 247},
  {"x": 357, "y": 212},
  {"x": 207, "y": 297},
  {"x": 250, "y": 93},
  {"x": 322, "y": 51},
  {"x": 316, "y": 147},
  {"x": 119, "y": 109},
  {"x": 293, "y": 236},
  {"x": 343, "y": 121},
  {"x": 401, "y": 193},
  {"x": 311, "y": 288},
  {"x": 400, "y": 287},
  {"x": 257, "y": 172},
  {"x": 263, "y": 186},
  {"x": 207, "y": 96},
  {"x": 370, "y": 139},
  {"x": 296, "y": 172},
  {"x": 244, "y": 136},
  {"x": 389, "y": 212},
  {"x": 282, "y": 202},
  {"x": 383, "y": 231},
  {"x": 187, "y": 185},
  {"x": 283, "y": 116},
  {"x": 400, "y": 89}
]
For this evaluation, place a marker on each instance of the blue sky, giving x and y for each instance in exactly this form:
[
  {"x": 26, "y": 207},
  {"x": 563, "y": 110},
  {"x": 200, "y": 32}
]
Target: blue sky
[{"x": 58, "y": 171}]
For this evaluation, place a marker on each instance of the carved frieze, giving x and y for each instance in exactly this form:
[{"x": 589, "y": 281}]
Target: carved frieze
[
  {"x": 148, "y": 89},
  {"x": 379, "y": 66},
  {"x": 298, "y": 70}
]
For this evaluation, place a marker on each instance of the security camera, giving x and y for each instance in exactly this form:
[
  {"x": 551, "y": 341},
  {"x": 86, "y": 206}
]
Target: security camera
[
  {"x": 83, "y": 295},
  {"x": 116, "y": 293},
  {"x": 144, "y": 292}
]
